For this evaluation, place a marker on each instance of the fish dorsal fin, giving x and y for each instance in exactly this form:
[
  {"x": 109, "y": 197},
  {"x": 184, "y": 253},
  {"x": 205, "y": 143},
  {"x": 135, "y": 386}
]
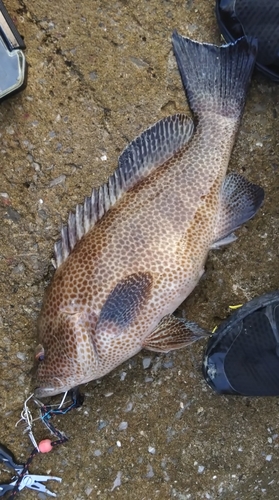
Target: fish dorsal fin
[{"x": 142, "y": 156}]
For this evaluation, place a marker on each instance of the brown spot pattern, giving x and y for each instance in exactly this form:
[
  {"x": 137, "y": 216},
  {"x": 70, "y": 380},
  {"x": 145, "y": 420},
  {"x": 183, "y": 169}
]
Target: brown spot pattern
[{"x": 163, "y": 226}]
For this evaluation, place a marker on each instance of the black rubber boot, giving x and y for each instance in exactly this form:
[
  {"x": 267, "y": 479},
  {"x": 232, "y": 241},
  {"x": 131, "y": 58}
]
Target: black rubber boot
[
  {"x": 242, "y": 356},
  {"x": 256, "y": 18}
]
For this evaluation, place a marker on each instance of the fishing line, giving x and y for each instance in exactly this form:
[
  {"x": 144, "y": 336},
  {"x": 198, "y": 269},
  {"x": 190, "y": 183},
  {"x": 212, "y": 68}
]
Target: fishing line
[{"x": 46, "y": 413}]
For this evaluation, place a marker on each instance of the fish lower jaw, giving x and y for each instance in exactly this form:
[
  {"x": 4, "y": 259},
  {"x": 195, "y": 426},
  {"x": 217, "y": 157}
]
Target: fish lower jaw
[
  {"x": 44, "y": 392},
  {"x": 55, "y": 386},
  {"x": 58, "y": 386}
]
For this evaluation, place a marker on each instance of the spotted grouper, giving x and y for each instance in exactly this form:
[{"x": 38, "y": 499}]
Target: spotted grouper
[{"x": 136, "y": 248}]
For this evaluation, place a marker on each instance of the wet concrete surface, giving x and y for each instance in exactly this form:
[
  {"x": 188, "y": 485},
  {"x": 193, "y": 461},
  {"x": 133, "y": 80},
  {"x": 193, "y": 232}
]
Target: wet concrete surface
[{"x": 100, "y": 72}]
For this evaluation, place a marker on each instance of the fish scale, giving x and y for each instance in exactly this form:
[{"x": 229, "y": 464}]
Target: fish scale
[{"x": 137, "y": 247}]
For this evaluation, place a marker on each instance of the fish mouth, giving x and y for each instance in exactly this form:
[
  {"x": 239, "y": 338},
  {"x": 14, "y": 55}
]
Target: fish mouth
[
  {"x": 56, "y": 387},
  {"x": 43, "y": 392}
]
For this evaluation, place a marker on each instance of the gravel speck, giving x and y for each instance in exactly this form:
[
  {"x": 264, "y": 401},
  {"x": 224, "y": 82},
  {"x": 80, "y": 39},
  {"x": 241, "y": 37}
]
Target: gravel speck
[
  {"x": 122, "y": 426},
  {"x": 150, "y": 472},
  {"x": 146, "y": 362},
  {"x": 10, "y": 130},
  {"x": 166, "y": 476},
  {"x": 93, "y": 75},
  {"x": 21, "y": 355},
  {"x": 6, "y": 198},
  {"x": 129, "y": 407},
  {"x": 12, "y": 215},
  {"x": 108, "y": 394},
  {"x": 36, "y": 166},
  {"x": 43, "y": 214},
  {"x": 102, "y": 424},
  {"x": 139, "y": 62},
  {"x": 117, "y": 481},
  {"x": 42, "y": 496},
  {"x": 20, "y": 268},
  {"x": 58, "y": 180},
  {"x": 168, "y": 364}
]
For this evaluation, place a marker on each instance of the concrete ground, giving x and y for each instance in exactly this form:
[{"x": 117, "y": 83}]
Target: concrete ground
[{"x": 100, "y": 72}]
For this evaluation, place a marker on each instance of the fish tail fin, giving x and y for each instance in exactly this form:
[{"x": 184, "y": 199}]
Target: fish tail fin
[{"x": 215, "y": 78}]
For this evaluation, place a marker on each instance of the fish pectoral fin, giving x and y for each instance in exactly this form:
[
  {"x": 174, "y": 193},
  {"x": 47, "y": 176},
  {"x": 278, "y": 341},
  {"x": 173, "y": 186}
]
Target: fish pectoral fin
[
  {"x": 240, "y": 201},
  {"x": 173, "y": 333},
  {"x": 124, "y": 303}
]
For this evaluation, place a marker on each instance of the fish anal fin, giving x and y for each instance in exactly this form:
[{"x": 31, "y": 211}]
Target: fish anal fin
[
  {"x": 173, "y": 333},
  {"x": 240, "y": 201},
  {"x": 142, "y": 156},
  {"x": 123, "y": 304}
]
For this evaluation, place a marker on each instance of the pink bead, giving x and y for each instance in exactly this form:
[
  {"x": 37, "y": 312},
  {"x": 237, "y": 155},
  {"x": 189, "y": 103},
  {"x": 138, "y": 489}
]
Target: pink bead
[{"x": 45, "y": 446}]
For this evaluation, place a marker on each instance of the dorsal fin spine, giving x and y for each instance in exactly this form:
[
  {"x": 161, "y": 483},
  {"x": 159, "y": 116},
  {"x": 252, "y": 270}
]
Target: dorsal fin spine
[
  {"x": 65, "y": 242},
  {"x": 107, "y": 201},
  {"x": 92, "y": 206},
  {"x": 72, "y": 229},
  {"x": 101, "y": 202},
  {"x": 86, "y": 214},
  {"x": 113, "y": 188},
  {"x": 79, "y": 221}
]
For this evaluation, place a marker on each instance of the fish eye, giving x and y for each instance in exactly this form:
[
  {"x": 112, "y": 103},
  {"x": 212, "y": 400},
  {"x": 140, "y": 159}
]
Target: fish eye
[{"x": 39, "y": 353}]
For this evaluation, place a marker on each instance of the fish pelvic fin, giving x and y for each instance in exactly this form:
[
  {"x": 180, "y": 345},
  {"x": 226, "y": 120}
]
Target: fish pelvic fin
[
  {"x": 240, "y": 201},
  {"x": 174, "y": 333},
  {"x": 143, "y": 155},
  {"x": 215, "y": 79}
]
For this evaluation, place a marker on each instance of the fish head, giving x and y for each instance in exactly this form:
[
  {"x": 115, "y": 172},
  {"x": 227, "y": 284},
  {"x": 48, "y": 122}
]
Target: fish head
[{"x": 67, "y": 356}]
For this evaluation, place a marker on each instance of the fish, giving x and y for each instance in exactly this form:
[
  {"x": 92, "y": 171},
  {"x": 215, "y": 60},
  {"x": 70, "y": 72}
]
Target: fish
[{"x": 137, "y": 247}]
